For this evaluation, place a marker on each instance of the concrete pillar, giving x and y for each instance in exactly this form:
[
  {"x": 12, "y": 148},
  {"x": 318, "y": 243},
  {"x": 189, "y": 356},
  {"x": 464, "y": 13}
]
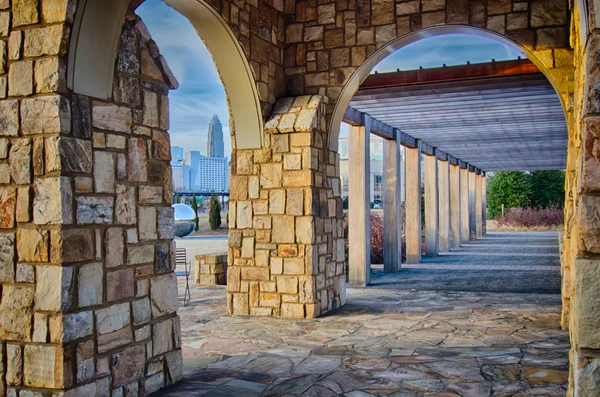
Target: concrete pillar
[
  {"x": 413, "y": 204},
  {"x": 484, "y": 203},
  {"x": 478, "y": 206},
  {"x": 455, "y": 220},
  {"x": 392, "y": 210},
  {"x": 465, "y": 228},
  {"x": 472, "y": 207},
  {"x": 444, "y": 206},
  {"x": 359, "y": 209},
  {"x": 431, "y": 206}
]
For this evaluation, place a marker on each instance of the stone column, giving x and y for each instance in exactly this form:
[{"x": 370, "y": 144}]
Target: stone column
[
  {"x": 431, "y": 205},
  {"x": 414, "y": 237},
  {"x": 484, "y": 203},
  {"x": 444, "y": 205},
  {"x": 392, "y": 210},
  {"x": 455, "y": 218},
  {"x": 465, "y": 225},
  {"x": 472, "y": 206},
  {"x": 286, "y": 241},
  {"x": 359, "y": 209},
  {"x": 478, "y": 206}
]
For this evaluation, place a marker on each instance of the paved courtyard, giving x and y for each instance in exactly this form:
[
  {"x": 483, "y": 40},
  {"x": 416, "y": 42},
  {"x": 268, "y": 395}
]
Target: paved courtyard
[{"x": 388, "y": 341}]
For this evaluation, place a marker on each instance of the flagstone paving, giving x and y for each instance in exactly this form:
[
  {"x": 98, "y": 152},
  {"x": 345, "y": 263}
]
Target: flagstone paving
[{"x": 384, "y": 342}]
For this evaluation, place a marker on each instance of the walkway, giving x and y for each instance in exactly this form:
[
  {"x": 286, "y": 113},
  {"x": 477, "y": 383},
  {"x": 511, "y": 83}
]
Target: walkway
[
  {"x": 501, "y": 262},
  {"x": 385, "y": 342}
]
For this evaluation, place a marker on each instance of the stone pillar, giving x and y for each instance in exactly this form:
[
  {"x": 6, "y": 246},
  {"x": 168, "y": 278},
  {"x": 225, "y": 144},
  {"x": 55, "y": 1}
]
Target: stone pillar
[
  {"x": 431, "y": 205},
  {"x": 414, "y": 236},
  {"x": 455, "y": 218},
  {"x": 465, "y": 225},
  {"x": 484, "y": 203},
  {"x": 444, "y": 205},
  {"x": 359, "y": 205},
  {"x": 286, "y": 243},
  {"x": 478, "y": 206},
  {"x": 392, "y": 209},
  {"x": 89, "y": 294},
  {"x": 472, "y": 206}
]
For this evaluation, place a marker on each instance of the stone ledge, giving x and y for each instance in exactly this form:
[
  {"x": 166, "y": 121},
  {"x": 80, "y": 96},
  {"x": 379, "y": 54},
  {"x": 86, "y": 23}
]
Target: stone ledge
[{"x": 210, "y": 270}]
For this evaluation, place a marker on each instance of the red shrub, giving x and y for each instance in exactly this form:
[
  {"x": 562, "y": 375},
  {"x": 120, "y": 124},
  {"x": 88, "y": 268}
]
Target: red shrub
[{"x": 529, "y": 217}]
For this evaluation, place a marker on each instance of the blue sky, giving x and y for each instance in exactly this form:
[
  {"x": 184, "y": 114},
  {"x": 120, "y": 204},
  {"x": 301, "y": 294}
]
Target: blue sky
[{"x": 201, "y": 94}]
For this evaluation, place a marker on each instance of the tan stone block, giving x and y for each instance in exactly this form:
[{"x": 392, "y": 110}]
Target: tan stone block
[
  {"x": 297, "y": 178},
  {"x": 25, "y": 12},
  {"x": 14, "y": 364},
  {"x": 16, "y": 312},
  {"x": 240, "y": 304},
  {"x": 164, "y": 295},
  {"x": 253, "y": 187},
  {"x": 147, "y": 223},
  {"x": 8, "y": 206},
  {"x": 295, "y": 202},
  {"x": 269, "y": 300},
  {"x": 104, "y": 172},
  {"x": 277, "y": 202},
  {"x": 261, "y": 258},
  {"x": 293, "y": 266},
  {"x": 305, "y": 233},
  {"x": 312, "y": 310},
  {"x": 125, "y": 205},
  {"x": 138, "y": 255},
  {"x": 9, "y": 118},
  {"x": 262, "y": 222},
  {"x": 270, "y": 176},
  {"x": 54, "y": 11},
  {"x": 287, "y": 250},
  {"x": 585, "y": 324},
  {"x": 287, "y": 285},
  {"x": 292, "y": 310},
  {"x": 50, "y": 75},
  {"x": 53, "y": 288},
  {"x": 45, "y": 366},
  {"x": 32, "y": 245},
  {"x": 244, "y": 214},
  {"x": 248, "y": 247},
  {"x": 20, "y": 78},
  {"x": 45, "y": 115},
  {"x": 276, "y": 265},
  {"x": 283, "y": 229},
  {"x": 15, "y": 43},
  {"x": 260, "y": 311},
  {"x": 255, "y": 274},
  {"x": 238, "y": 187},
  {"x": 268, "y": 286},
  {"x": 292, "y": 162}
]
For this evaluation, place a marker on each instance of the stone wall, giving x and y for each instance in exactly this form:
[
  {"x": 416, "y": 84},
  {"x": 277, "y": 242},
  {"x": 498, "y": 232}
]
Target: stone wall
[
  {"x": 89, "y": 292},
  {"x": 210, "y": 270},
  {"x": 326, "y": 42},
  {"x": 286, "y": 244},
  {"x": 581, "y": 271}
]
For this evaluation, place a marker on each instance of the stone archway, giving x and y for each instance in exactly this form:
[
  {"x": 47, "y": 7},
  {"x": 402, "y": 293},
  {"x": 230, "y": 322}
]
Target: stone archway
[
  {"x": 95, "y": 38},
  {"x": 556, "y": 76}
]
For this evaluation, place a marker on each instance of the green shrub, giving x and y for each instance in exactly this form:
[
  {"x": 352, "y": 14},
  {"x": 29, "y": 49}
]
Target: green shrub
[{"x": 214, "y": 214}]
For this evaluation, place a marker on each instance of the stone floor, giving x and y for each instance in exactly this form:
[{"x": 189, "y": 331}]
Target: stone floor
[{"x": 384, "y": 342}]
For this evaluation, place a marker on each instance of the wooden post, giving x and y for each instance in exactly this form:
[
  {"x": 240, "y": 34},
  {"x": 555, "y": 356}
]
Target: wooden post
[
  {"x": 484, "y": 203},
  {"x": 359, "y": 210},
  {"x": 478, "y": 206},
  {"x": 431, "y": 206},
  {"x": 465, "y": 226},
  {"x": 444, "y": 205},
  {"x": 472, "y": 207},
  {"x": 413, "y": 204},
  {"x": 455, "y": 220},
  {"x": 392, "y": 210}
]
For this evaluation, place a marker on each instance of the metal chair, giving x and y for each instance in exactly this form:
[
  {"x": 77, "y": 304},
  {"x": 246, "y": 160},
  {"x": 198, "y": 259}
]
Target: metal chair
[{"x": 181, "y": 259}]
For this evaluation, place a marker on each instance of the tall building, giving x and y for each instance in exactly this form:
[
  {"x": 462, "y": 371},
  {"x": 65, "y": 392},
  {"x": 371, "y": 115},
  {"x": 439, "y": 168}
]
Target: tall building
[
  {"x": 177, "y": 155},
  {"x": 212, "y": 175},
  {"x": 215, "y": 146}
]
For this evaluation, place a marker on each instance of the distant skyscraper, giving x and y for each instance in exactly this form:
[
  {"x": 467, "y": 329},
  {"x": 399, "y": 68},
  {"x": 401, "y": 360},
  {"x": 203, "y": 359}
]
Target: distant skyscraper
[{"x": 215, "y": 146}]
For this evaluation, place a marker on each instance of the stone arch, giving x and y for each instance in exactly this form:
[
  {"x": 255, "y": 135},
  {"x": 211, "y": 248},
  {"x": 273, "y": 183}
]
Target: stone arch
[
  {"x": 362, "y": 72},
  {"x": 93, "y": 50}
]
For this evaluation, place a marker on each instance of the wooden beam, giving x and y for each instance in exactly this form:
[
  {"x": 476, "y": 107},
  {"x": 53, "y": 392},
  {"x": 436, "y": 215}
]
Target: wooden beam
[
  {"x": 354, "y": 117},
  {"x": 392, "y": 208},
  {"x": 413, "y": 204}
]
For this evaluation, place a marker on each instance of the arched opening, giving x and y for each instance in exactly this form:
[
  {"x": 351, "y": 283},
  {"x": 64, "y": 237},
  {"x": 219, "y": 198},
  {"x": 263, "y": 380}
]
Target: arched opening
[
  {"x": 366, "y": 67},
  {"x": 94, "y": 43}
]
